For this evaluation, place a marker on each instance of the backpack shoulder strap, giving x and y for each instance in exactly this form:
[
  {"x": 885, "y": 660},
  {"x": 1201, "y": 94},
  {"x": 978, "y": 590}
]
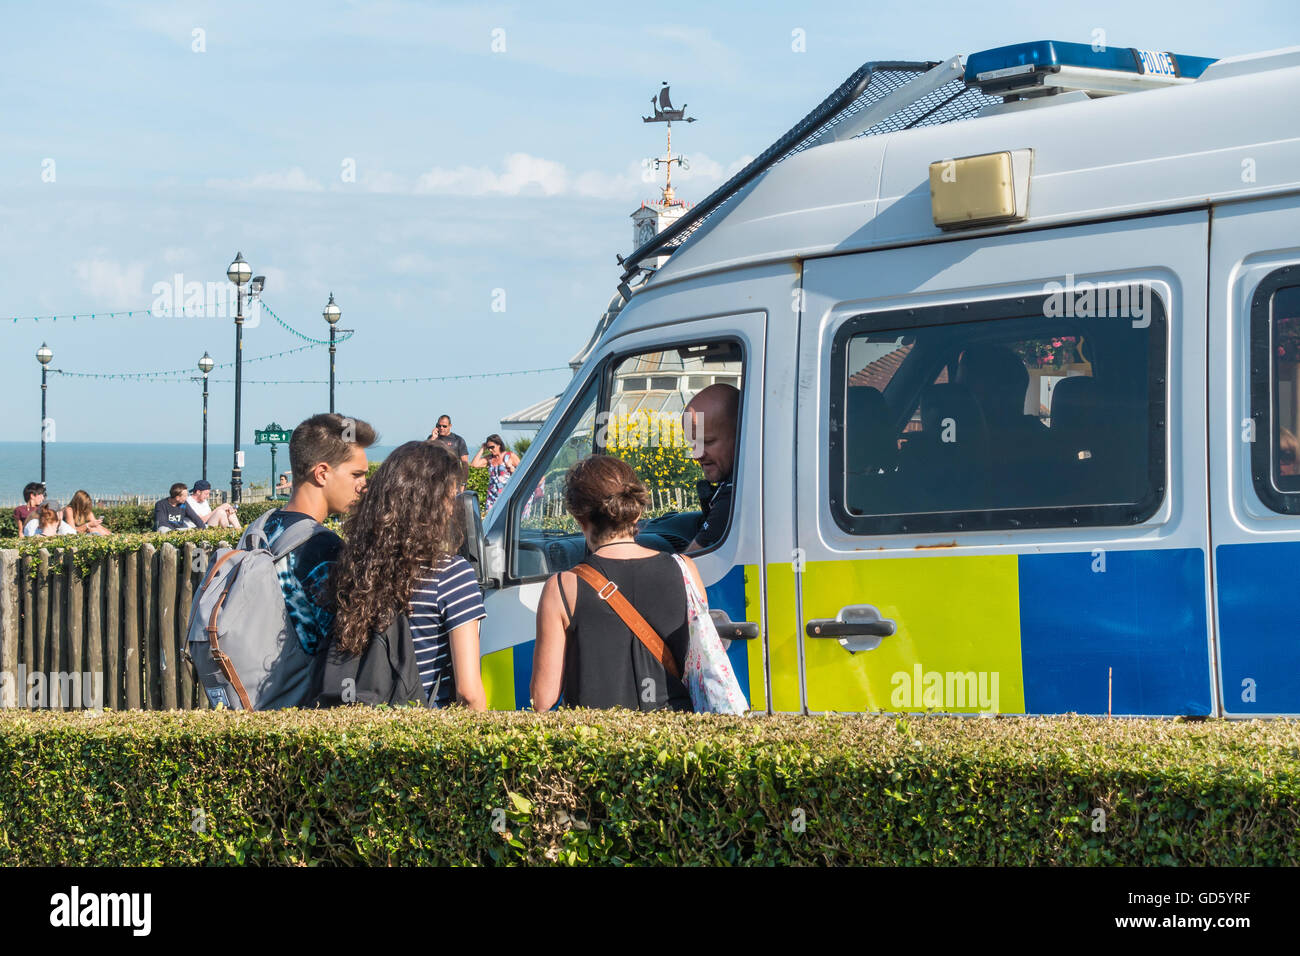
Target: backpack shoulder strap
[
  {"x": 294, "y": 536},
  {"x": 254, "y": 535},
  {"x": 608, "y": 592}
]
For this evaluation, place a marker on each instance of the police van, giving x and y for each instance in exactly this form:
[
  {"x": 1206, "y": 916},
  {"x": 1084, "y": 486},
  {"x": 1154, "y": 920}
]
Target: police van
[{"x": 1017, "y": 339}]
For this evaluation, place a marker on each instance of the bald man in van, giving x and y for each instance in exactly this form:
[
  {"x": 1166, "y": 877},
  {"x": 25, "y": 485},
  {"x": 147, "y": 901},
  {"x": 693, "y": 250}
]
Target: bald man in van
[{"x": 710, "y": 422}]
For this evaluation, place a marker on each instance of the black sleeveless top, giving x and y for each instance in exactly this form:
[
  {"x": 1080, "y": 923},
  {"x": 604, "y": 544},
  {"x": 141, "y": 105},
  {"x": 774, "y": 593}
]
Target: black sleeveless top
[{"x": 605, "y": 664}]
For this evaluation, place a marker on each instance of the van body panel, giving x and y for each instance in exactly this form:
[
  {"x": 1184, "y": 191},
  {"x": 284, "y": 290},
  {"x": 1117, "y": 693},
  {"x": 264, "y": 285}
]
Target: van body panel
[
  {"x": 1256, "y": 548},
  {"x": 1112, "y": 617},
  {"x": 1181, "y": 608},
  {"x": 1099, "y": 159}
]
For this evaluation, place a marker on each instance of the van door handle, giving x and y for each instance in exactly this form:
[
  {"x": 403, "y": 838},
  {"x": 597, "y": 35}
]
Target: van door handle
[
  {"x": 859, "y": 627},
  {"x": 730, "y": 630}
]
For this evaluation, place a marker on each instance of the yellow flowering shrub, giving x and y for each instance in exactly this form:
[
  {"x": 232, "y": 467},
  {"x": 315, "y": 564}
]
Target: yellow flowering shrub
[{"x": 656, "y": 446}]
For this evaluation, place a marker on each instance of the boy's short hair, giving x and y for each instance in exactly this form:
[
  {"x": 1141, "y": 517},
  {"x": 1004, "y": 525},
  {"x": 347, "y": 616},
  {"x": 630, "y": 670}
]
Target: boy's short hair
[
  {"x": 328, "y": 438},
  {"x": 32, "y": 488},
  {"x": 177, "y": 488}
]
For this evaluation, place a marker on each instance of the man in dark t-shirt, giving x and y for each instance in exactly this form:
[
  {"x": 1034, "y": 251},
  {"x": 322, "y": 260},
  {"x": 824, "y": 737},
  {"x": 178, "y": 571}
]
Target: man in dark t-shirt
[
  {"x": 448, "y": 439},
  {"x": 171, "y": 513}
]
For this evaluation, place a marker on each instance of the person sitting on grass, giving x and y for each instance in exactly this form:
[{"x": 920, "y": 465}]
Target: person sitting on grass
[
  {"x": 33, "y": 498},
  {"x": 172, "y": 513},
  {"x": 47, "y": 523},
  {"x": 81, "y": 516},
  {"x": 222, "y": 516}
]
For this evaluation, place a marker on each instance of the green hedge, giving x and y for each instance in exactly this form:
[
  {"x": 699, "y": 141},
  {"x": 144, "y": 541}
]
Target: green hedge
[
  {"x": 89, "y": 548},
  {"x": 477, "y": 481},
  {"x": 136, "y": 519},
  {"x": 407, "y": 787}
]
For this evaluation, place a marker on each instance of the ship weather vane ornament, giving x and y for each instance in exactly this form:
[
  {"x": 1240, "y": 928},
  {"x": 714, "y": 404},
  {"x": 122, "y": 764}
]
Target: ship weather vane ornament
[{"x": 664, "y": 113}]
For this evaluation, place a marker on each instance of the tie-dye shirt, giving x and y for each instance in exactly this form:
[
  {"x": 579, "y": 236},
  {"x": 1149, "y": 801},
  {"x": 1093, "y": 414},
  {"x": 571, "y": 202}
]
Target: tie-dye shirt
[{"x": 304, "y": 578}]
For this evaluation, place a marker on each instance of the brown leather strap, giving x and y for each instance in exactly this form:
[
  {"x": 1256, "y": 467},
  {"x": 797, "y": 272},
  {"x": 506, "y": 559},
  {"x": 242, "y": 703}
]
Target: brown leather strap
[
  {"x": 218, "y": 656},
  {"x": 608, "y": 592},
  {"x": 216, "y": 565}
]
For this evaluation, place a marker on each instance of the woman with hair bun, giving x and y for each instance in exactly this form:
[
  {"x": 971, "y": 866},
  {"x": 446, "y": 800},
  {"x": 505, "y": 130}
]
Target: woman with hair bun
[{"x": 586, "y": 649}]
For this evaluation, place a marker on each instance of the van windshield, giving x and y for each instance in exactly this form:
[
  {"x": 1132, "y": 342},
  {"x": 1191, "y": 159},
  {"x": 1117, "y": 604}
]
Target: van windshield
[{"x": 636, "y": 414}]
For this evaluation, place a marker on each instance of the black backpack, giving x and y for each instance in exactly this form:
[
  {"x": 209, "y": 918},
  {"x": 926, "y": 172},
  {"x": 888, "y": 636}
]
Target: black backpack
[{"x": 384, "y": 673}]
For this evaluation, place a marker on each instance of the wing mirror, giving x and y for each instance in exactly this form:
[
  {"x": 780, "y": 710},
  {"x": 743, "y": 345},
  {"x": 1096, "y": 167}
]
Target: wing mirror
[{"x": 474, "y": 548}]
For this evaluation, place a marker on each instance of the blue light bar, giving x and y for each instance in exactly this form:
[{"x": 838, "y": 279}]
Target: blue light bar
[{"x": 1021, "y": 60}]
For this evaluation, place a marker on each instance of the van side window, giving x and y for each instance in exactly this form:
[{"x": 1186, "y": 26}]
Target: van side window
[
  {"x": 1275, "y": 391},
  {"x": 996, "y": 415},
  {"x": 633, "y": 410}
]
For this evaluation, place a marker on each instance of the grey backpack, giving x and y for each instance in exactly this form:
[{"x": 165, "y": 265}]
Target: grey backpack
[{"x": 240, "y": 638}]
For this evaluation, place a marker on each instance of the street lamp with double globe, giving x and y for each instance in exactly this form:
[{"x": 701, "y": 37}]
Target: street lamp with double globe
[
  {"x": 239, "y": 273},
  {"x": 44, "y": 355},
  {"x": 332, "y": 314},
  {"x": 205, "y": 366}
]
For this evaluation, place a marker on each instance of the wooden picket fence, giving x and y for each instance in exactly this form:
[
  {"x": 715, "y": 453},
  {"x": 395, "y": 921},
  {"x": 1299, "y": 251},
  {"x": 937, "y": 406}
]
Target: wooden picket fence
[{"x": 122, "y": 623}]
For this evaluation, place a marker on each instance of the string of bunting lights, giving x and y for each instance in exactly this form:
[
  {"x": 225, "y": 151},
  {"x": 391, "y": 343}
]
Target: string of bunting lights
[
  {"x": 179, "y": 375},
  {"x": 187, "y": 372},
  {"x": 391, "y": 381},
  {"x": 163, "y": 377},
  {"x": 85, "y": 315},
  {"x": 174, "y": 314},
  {"x": 342, "y": 337}
]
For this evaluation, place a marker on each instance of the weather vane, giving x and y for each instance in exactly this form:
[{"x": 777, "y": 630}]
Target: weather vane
[{"x": 664, "y": 113}]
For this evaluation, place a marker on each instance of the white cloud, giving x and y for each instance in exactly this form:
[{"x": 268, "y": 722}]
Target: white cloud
[
  {"x": 523, "y": 174},
  {"x": 109, "y": 284},
  {"x": 294, "y": 180}
]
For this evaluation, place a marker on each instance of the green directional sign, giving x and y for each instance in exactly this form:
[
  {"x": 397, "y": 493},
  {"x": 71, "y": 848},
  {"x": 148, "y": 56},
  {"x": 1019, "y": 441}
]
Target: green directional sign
[{"x": 272, "y": 434}]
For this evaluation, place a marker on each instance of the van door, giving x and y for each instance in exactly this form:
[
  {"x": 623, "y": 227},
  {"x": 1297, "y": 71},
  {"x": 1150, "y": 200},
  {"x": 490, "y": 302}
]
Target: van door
[
  {"x": 1254, "y": 460},
  {"x": 1001, "y": 473},
  {"x": 628, "y": 402}
]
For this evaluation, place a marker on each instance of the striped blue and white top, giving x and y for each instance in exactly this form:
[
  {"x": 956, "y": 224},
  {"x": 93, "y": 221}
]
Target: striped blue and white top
[{"x": 443, "y": 600}]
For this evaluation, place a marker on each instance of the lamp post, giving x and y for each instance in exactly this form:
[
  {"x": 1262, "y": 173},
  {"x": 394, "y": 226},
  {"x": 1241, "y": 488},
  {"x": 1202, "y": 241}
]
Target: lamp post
[
  {"x": 43, "y": 355},
  {"x": 239, "y": 273},
  {"x": 205, "y": 366},
  {"x": 332, "y": 315}
]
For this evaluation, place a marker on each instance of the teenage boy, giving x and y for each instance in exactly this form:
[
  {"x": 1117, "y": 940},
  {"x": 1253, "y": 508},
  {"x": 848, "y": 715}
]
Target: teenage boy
[
  {"x": 34, "y": 496},
  {"x": 175, "y": 513},
  {"x": 327, "y": 454}
]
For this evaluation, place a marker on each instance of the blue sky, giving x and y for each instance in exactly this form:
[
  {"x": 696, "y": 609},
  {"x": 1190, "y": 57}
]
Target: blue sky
[{"x": 475, "y": 171}]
